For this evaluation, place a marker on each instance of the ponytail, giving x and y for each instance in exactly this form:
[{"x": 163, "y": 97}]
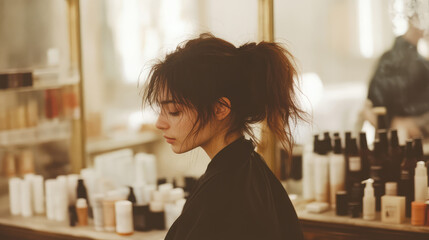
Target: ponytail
[{"x": 270, "y": 72}]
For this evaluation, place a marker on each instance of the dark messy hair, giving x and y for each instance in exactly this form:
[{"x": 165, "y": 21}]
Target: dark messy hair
[{"x": 257, "y": 78}]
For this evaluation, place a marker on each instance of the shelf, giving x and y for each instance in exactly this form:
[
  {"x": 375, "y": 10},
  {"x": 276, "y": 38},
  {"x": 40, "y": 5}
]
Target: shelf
[
  {"x": 44, "y": 79},
  {"x": 43, "y": 133},
  {"x": 94, "y": 146}
]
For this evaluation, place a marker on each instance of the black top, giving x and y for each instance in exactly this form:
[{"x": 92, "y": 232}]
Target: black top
[
  {"x": 401, "y": 81},
  {"x": 238, "y": 197}
]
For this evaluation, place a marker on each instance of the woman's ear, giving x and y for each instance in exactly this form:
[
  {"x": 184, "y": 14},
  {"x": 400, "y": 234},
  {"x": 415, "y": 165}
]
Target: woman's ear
[{"x": 222, "y": 108}]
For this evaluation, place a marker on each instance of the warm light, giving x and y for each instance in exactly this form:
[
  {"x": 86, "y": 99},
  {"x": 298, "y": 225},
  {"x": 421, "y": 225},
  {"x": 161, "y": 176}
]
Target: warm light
[
  {"x": 365, "y": 28},
  {"x": 399, "y": 17},
  {"x": 311, "y": 88}
]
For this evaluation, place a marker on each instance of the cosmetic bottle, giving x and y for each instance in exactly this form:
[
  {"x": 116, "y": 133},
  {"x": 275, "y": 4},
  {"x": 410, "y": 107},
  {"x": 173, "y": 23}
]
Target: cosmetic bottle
[
  {"x": 81, "y": 190},
  {"x": 97, "y": 211},
  {"x": 51, "y": 188},
  {"x": 38, "y": 194},
  {"x": 337, "y": 172},
  {"x": 368, "y": 200},
  {"x": 327, "y": 139},
  {"x": 157, "y": 215},
  {"x": 124, "y": 217},
  {"x": 26, "y": 199},
  {"x": 420, "y": 182},
  {"x": 418, "y": 210},
  {"x": 82, "y": 211},
  {"x": 109, "y": 214},
  {"x": 364, "y": 155},
  {"x": 308, "y": 170},
  {"x": 61, "y": 199},
  {"x": 393, "y": 209},
  {"x": 406, "y": 183},
  {"x": 396, "y": 156},
  {"x": 376, "y": 173},
  {"x": 341, "y": 203},
  {"x": 72, "y": 180},
  {"x": 321, "y": 174},
  {"x": 354, "y": 172},
  {"x": 15, "y": 196},
  {"x": 391, "y": 189}
]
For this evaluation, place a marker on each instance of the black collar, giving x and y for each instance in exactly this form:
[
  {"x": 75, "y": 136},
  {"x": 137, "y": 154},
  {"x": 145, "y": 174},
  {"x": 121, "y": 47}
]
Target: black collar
[{"x": 231, "y": 156}]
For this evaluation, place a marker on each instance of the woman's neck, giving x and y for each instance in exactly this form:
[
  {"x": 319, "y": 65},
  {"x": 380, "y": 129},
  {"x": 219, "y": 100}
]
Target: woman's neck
[{"x": 219, "y": 142}]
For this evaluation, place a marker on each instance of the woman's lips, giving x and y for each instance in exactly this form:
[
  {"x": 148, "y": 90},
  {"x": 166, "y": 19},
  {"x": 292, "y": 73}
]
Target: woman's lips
[{"x": 169, "y": 140}]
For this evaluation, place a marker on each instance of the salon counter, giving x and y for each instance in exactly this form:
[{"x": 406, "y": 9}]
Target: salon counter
[
  {"x": 329, "y": 226},
  {"x": 40, "y": 228},
  {"x": 324, "y": 226}
]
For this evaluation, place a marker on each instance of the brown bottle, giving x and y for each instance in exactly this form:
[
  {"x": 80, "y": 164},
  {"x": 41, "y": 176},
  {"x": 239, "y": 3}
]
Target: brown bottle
[
  {"x": 396, "y": 156},
  {"x": 406, "y": 182},
  {"x": 376, "y": 173},
  {"x": 364, "y": 155}
]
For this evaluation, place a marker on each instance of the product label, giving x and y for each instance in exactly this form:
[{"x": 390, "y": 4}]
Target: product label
[
  {"x": 390, "y": 211},
  {"x": 355, "y": 164},
  {"x": 375, "y": 172},
  {"x": 405, "y": 175}
]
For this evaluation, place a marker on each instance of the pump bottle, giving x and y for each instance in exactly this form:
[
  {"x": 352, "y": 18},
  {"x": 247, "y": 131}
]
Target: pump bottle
[{"x": 368, "y": 200}]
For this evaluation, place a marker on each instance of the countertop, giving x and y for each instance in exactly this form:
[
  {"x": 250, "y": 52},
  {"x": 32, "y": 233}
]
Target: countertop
[
  {"x": 330, "y": 217},
  {"x": 41, "y": 223}
]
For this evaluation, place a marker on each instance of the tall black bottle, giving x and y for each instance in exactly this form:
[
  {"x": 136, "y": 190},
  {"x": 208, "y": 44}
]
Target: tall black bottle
[
  {"x": 406, "y": 182},
  {"x": 328, "y": 140},
  {"x": 396, "y": 156},
  {"x": 364, "y": 155},
  {"x": 355, "y": 177},
  {"x": 376, "y": 172}
]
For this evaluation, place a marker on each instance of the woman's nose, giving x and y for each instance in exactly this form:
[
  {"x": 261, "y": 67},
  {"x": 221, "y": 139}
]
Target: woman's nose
[{"x": 161, "y": 123}]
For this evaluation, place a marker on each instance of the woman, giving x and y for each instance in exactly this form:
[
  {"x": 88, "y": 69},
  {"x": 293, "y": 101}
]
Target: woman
[{"x": 209, "y": 93}]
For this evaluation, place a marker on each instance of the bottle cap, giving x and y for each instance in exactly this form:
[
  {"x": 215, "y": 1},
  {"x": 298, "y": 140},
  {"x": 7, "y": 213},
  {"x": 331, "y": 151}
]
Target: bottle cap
[
  {"x": 81, "y": 203},
  {"x": 156, "y": 206},
  {"x": 176, "y": 194},
  {"x": 421, "y": 169},
  {"x": 391, "y": 188}
]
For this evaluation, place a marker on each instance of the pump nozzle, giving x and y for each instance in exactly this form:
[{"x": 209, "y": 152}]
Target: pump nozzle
[
  {"x": 369, "y": 189},
  {"x": 369, "y": 180}
]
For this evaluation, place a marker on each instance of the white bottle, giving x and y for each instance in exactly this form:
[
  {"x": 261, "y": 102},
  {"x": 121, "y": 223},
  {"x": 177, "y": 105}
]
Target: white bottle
[
  {"x": 26, "y": 200},
  {"x": 337, "y": 171},
  {"x": 15, "y": 196},
  {"x": 124, "y": 217},
  {"x": 420, "y": 182},
  {"x": 321, "y": 174},
  {"x": 308, "y": 173},
  {"x": 368, "y": 200}
]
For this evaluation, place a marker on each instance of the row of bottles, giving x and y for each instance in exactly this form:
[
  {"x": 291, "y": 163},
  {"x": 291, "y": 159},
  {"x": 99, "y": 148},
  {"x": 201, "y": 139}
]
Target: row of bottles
[{"x": 331, "y": 169}]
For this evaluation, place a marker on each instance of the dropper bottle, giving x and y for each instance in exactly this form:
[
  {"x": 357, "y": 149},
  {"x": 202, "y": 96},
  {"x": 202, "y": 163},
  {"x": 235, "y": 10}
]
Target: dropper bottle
[{"x": 368, "y": 200}]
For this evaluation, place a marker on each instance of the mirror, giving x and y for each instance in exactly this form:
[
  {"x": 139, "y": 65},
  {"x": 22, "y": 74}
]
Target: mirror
[{"x": 338, "y": 45}]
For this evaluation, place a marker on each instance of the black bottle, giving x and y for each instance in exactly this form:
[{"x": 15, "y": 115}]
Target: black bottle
[
  {"x": 81, "y": 190},
  {"x": 140, "y": 213},
  {"x": 406, "y": 182},
  {"x": 328, "y": 140},
  {"x": 355, "y": 177},
  {"x": 364, "y": 155},
  {"x": 396, "y": 156},
  {"x": 376, "y": 162}
]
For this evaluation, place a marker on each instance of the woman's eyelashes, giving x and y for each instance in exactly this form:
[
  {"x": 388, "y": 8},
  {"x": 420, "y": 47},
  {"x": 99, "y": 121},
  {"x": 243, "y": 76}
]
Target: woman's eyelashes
[{"x": 174, "y": 114}]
